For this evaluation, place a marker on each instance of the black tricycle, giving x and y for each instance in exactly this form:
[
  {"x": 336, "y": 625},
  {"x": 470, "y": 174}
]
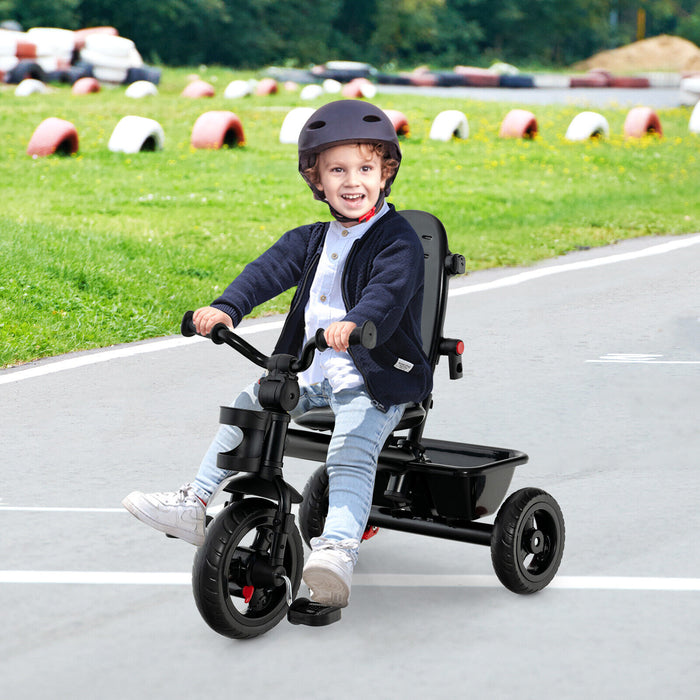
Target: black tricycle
[{"x": 247, "y": 573}]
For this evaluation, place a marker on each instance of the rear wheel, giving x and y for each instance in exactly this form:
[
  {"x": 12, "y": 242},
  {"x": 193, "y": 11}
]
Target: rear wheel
[
  {"x": 527, "y": 541},
  {"x": 237, "y": 540}
]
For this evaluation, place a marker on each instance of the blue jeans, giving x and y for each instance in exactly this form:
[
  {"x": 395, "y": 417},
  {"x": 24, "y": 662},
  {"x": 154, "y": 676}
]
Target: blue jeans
[{"x": 361, "y": 429}]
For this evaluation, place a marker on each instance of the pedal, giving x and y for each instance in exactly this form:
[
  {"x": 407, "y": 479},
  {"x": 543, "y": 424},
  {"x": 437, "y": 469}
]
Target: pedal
[{"x": 305, "y": 612}]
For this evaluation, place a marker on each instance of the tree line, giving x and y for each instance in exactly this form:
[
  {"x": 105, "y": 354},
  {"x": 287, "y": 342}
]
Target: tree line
[{"x": 387, "y": 33}]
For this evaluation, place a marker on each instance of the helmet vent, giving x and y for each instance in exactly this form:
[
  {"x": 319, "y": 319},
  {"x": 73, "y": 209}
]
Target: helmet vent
[
  {"x": 317, "y": 125},
  {"x": 371, "y": 118}
]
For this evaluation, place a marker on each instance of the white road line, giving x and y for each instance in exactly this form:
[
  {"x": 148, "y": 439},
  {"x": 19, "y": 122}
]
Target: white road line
[
  {"x": 59, "y": 509},
  {"x": 148, "y": 578},
  {"x": 168, "y": 343},
  {"x": 530, "y": 275},
  {"x": 117, "y": 353}
]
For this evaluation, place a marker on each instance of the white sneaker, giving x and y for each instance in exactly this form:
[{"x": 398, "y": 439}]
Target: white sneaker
[
  {"x": 180, "y": 514},
  {"x": 328, "y": 573}
]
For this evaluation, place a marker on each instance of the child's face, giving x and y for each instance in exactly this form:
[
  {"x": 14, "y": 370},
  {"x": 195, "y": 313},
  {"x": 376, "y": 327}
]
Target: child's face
[{"x": 351, "y": 179}]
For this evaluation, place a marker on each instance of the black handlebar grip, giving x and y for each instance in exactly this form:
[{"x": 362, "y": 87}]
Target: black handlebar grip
[
  {"x": 365, "y": 335},
  {"x": 187, "y": 326}
]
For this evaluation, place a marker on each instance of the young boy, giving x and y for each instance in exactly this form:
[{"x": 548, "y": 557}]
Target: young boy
[{"x": 367, "y": 264}]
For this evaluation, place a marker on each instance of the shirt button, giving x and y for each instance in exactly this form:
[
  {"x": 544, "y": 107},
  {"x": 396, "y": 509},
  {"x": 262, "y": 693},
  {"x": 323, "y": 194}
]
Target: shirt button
[
  {"x": 345, "y": 233},
  {"x": 323, "y": 297},
  {"x": 334, "y": 256}
]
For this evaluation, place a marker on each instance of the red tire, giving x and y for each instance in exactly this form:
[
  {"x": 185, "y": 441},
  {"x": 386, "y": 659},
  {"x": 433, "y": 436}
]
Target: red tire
[
  {"x": 53, "y": 135},
  {"x": 85, "y": 86},
  {"x": 198, "y": 88},
  {"x": 629, "y": 82},
  {"x": 25, "y": 49},
  {"x": 216, "y": 129},
  {"x": 519, "y": 124},
  {"x": 478, "y": 77},
  {"x": 399, "y": 121},
  {"x": 641, "y": 121},
  {"x": 267, "y": 86}
]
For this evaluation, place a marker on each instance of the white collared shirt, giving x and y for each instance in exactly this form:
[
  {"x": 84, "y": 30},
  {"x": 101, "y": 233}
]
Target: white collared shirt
[{"x": 326, "y": 305}]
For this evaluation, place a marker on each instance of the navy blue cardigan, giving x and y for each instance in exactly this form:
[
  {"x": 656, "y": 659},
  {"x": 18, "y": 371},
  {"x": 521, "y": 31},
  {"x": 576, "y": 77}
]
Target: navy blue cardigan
[{"x": 382, "y": 282}]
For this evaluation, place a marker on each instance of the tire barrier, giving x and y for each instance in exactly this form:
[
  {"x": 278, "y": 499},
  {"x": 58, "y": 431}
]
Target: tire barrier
[
  {"x": 311, "y": 92},
  {"x": 629, "y": 82},
  {"x": 53, "y": 135},
  {"x": 517, "y": 81},
  {"x": 359, "y": 87},
  {"x": 141, "y": 88},
  {"x": 519, "y": 124},
  {"x": 690, "y": 90},
  {"x": 85, "y": 86},
  {"x": 399, "y": 121},
  {"x": 216, "y": 129},
  {"x": 694, "y": 123},
  {"x": 478, "y": 77},
  {"x": 134, "y": 134},
  {"x": 332, "y": 86},
  {"x": 82, "y": 34},
  {"x": 23, "y": 70},
  {"x": 267, "y": 86},
  {"x": 111, "y": 56},
  {"x": 592, "y": 80},
  {"x": 587, "y": 125},
  {"x": 293, "y": 123},
  {"x": 30, "y": 86},
  {"x": 142, "y": 73},
  {"x": 641, "y": 121},
  {"x": 236, "y": 89},
  {"x": 53, "y": 42},
  {"x": 198, "y": 88},
  {"x": 449, "y": 124}
]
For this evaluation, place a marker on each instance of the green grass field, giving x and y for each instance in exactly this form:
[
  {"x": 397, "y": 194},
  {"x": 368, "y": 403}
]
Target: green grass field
[{"x": 102, "y": 248}]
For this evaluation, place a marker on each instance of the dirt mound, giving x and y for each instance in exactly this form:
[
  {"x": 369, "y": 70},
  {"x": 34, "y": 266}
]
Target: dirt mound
[{"x": 660, "y": 53}]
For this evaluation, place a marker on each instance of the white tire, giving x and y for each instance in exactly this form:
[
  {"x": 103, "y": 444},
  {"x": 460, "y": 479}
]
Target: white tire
[
  {"x": 690, "y": 90},
  {"x": 293, "y": 123},
  {"x": 311, "y": 92},
  {"x": 8, "y": 63},
  {"x": 237, "y": 89},
  {"x": 331, "y": 86},
  {"x": 110, "y": 75},
  {"x": 104, "y": 60},
  {"x": 116, "y": 46},
  {"x": 448, "y": 124},
  {"x": 30, "y": 86},
  {"x": 694, "y": 124},
  {"x": 141, "y": 88},
  {"x": 8, "y": 43},
  {"x": 134, "y": 134},
  {"x": 587, "y": 125}
]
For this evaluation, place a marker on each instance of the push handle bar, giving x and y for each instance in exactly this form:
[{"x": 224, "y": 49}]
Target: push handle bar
[{"x": 365, "y": 335}]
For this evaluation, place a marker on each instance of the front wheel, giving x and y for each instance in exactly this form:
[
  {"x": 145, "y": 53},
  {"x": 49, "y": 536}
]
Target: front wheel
[
  {"x": 236, "y": 541},
  {"x": 313, "y": 510},
  {"x": 527, "y": 542}
]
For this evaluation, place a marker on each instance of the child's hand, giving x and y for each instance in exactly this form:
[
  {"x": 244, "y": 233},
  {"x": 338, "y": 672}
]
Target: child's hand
[
  {"x": 337, "y": 335},
  {"x": 207, "y": 317}
]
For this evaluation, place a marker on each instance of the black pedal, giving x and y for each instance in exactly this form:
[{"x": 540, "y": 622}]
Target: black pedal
[{"x": 305, "y": 612}]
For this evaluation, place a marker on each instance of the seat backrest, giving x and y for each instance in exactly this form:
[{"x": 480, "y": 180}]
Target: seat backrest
[{"x": 433, "y": 237}]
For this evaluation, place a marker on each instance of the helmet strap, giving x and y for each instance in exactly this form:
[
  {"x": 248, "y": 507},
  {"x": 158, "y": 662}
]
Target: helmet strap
[{"x": 362, "y": 219}]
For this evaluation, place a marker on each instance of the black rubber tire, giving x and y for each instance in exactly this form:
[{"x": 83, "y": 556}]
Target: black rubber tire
[
  {"x": 216, "y": 584},
  {"x": 314, "y": 508},
  {"x": 527, "y": 542}
]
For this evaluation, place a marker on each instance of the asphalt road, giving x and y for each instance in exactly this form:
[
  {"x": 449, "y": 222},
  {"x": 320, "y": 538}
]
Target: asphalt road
[{"x": 589, "y": 363}]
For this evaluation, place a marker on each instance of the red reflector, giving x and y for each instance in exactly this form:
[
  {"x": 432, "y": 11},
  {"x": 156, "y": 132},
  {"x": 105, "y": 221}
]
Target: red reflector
[
  {"x": 459, "y": 349},
  {"x": 248, "y": 593}
]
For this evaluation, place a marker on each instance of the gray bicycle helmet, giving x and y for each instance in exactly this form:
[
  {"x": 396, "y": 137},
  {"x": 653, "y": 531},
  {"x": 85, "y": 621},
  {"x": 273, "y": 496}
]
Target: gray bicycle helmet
[{"x": 346, "y": 121}]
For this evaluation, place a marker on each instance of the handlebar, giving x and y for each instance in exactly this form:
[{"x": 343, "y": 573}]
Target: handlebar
[{"x": 364, "y": 335}]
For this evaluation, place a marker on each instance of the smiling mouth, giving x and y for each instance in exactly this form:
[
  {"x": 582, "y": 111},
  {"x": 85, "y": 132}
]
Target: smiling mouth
[{"x": 352, "y": 197}]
